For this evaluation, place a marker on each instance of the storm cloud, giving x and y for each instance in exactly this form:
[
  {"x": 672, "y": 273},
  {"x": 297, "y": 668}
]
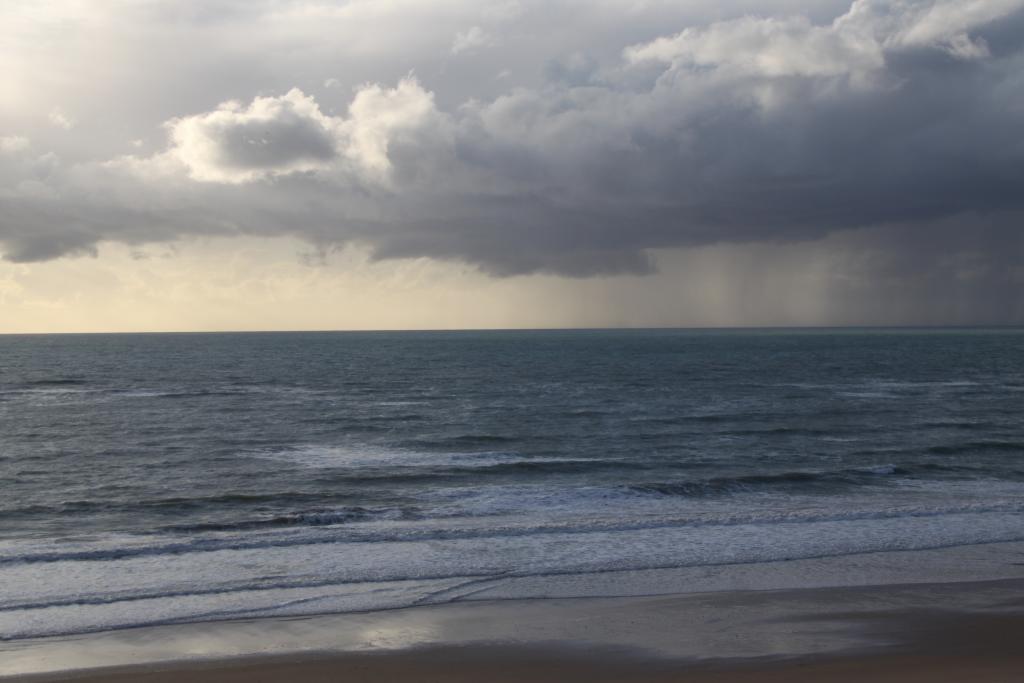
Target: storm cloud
[{"x": 494, "y": 142}]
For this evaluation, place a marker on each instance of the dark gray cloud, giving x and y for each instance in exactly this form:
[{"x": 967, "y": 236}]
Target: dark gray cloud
[{"x": 901, "y": 119}]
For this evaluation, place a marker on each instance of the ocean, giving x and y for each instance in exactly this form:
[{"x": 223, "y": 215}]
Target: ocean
[{"x": 165, "y": 478}]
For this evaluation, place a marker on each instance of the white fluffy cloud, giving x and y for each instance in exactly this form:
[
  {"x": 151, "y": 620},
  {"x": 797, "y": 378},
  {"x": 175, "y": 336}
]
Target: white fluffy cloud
[
  {"x": 271, "y": 136},
  {"x": 277, "y": 136},
  {"x": 855, "y": 43},
  {"x": 942, "y": 23},
  {"x": 381, "y": 117},
  {"x": 790, "y": 46}
]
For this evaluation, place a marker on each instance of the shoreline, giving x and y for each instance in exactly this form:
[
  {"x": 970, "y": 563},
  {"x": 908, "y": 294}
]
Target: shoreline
[
  {"x": 950, "y": 564},
  {"x": 865, "y": 631}
]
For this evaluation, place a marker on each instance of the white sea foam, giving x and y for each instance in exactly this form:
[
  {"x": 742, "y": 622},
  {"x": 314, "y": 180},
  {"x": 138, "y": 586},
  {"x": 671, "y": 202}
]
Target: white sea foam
[
  {"x": 390, "y": 563},
  {"x": 365, "y": 456}
]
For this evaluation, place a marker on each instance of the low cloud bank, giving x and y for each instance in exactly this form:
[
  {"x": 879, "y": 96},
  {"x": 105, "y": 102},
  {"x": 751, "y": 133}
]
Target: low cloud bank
[{"x": 902, "y": 117}]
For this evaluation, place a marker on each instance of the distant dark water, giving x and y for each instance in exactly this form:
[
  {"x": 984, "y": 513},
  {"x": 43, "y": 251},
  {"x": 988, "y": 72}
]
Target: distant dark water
[{"x": 152, "y": 478}]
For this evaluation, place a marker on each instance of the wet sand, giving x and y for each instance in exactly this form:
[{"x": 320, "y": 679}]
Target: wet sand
[
  {"x": 932, "y": 632},
  {"x": 501, "y": 665},
  {"x": 986, "y": 650}
]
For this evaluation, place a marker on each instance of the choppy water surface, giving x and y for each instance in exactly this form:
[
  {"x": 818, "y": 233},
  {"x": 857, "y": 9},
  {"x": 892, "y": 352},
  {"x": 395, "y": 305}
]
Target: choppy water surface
[{"x": 155, "y": 478}]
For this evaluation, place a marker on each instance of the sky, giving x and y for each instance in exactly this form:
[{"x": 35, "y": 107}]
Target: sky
[{"x": 401, "y": 164}]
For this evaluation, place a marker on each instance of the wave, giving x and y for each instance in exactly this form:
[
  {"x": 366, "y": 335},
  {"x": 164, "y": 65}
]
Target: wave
[
  {"x": 56, "y": 382},
  {"x": 332, "y": 535},
  {"x": 365, "y": 462},
  {"x": 964, "y": 425},
  {"x": 200, "y": 393},
  {"x": 172, "y": 391},
  {"x": 790, "y": 480},
  {"x": 419, "y": 468},
  {"x": 783, "y": 431},
  {"x": 280, "y": 583},
  {"x": 976, "y": 446},
  {"x": 827, "y": 481},
  {"x": 458, "y": 441},
  {"x": 312, "y": 518},
  {"x": 74, "y": 507}
]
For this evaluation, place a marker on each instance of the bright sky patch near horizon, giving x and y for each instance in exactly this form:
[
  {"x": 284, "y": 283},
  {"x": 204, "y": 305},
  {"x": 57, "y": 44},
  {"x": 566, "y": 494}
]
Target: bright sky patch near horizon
[{"x": 388, "y": 164}]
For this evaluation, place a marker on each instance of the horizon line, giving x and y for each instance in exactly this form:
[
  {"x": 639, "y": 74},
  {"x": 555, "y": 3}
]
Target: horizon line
[{"x": 651, "y": 328}]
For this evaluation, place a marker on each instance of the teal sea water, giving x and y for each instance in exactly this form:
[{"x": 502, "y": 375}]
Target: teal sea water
[{"x": 177, "y": 477}]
